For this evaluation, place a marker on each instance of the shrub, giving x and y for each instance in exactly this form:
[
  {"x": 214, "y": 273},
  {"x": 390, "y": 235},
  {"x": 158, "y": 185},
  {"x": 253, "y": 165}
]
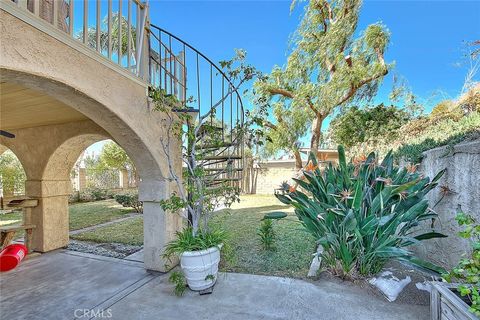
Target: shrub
[
  {"x": 363, "y": 213},
  {"x": 468, "y": 269},
  {"x": 371, "y": 124},
  {"x": 267, "y": 234},
  {"x": 74, "y": 197},
  {"x": 93, "y": 194},
  {"x": 130, "y": 200}
]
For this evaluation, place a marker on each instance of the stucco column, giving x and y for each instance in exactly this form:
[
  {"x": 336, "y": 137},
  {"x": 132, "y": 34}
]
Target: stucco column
[
  {"x": 159, "y": 227},
  {"x": 51, "y": 215},
  {"x": 123, "y": 179},
  {"x": 82, "y": 179}
]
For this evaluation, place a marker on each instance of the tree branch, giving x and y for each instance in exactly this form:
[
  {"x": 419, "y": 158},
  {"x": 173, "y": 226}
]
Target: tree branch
[{"x": 288, "y": 94}]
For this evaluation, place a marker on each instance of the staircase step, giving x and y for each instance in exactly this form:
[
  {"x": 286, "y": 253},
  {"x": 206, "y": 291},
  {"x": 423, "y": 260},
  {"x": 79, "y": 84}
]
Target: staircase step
[
  {"x": 233, "y": 157},
  {"x": 227, "y": 170},
  {"x": 186, "y": 110},
  {"x": 226, "y": 179},
  {"x": 223, "y": 180},
  {"x": 208, "y": 128},
  {"x": 217, "y": 146}
]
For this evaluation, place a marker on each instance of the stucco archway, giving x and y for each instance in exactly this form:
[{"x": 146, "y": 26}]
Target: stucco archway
[{"x": 113, "y": 103}]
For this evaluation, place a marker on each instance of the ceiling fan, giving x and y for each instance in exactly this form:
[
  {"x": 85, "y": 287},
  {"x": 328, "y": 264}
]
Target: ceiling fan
[{"x": 6, "y": 134}]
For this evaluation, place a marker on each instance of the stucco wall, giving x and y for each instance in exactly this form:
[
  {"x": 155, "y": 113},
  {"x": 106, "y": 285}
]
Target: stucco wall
[
  {"x": 266, "y": 177},
  {"x": 111, "y": 100},
  {"x": 463, "y": 180}
]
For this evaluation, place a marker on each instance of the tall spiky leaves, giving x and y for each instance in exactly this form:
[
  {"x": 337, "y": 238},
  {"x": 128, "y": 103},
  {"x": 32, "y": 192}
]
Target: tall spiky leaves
[{"x": 364, "y": 213}]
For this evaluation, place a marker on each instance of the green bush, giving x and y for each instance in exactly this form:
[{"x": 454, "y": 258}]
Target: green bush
[
  {"x": 363, "y": 213},
  {"x": 371, "y": 124},
  {"x": 94, "y": 194},
  {"x": 468, "y": 269},
  {"x": 267, "y": 234},
  {"x": 130, "y": 200},
  {"x": 445, "y": 132}
]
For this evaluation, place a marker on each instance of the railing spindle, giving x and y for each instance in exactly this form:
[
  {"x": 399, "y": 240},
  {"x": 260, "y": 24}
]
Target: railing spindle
[
  {"x": 120, "y": 36},
  {"x": 184, "y": 76},
  {"x": 99, "y": 26},
  {"x": 55, "y": 13},
  {"x": 85, "y": 21},
  {"x": 129, "y": 36},
  {"x": 36, "y": 7},
  {"x": 211, "y": 92},
  {"x": 198, "y": 85},
  {"x": 170, "y": 63},
  {"x": 70, "y": 15},
  {"x": 223, "y": 109},
  {"x": 137, "y": 38},
  {"x": 109, "y": 26}
]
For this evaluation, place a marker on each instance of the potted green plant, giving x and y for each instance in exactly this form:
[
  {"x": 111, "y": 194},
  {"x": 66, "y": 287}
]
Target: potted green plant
[
  {"x": 459, "y": 298},
  {"x": 199, "y": 191}
]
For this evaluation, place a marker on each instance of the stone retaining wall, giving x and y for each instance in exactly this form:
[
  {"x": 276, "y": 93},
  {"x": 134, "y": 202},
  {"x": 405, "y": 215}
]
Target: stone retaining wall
[{"x": 462, "y": 179}]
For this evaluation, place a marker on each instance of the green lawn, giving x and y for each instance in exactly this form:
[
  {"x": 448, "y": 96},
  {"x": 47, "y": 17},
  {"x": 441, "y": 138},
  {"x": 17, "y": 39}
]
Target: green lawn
[
  {"x": 88, "y": 214},
  {"x": 294, "y": 247},
  {"x": 81, "y": 215},
  {"x": 127, "y": 232},
  {"x": 14, "y": 217}
]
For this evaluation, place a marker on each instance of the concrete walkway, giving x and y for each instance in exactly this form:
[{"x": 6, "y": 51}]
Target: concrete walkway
[{"x": 70, "y": 285}]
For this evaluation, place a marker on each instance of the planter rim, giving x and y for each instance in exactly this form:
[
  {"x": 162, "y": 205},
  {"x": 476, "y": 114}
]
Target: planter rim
[
  {"x": 444, "y": 288},
  {"x": 200, "y": 252}
]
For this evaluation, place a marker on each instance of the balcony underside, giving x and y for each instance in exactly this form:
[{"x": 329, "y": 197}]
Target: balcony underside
[{"x": 21, "y": 107}]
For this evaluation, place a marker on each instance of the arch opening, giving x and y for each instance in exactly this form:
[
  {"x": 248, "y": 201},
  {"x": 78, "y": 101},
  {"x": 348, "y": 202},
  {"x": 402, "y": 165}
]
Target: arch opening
[{"x": 61, "y": 117}]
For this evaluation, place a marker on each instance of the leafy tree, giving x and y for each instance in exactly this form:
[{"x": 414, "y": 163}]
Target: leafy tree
[
  {"x": 357, "y": 125},
  {"x": 328, "y": 67},
  {"x": 114, "y": 157},
  {"x": 12, "y": 175},
  {"x": 291, "y": 125}
]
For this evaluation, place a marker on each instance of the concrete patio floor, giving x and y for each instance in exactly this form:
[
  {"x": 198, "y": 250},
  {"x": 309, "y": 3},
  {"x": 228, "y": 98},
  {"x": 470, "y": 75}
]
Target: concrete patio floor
[{"x": 70, "y": 285}]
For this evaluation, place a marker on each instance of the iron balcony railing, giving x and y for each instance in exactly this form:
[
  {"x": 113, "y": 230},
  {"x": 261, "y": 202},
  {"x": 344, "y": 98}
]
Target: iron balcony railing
[{"x": 115, "y": 29}]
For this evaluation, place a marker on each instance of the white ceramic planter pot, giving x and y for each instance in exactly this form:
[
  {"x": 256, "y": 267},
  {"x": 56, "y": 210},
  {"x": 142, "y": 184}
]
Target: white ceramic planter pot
[{"x": 200, "y": 268}]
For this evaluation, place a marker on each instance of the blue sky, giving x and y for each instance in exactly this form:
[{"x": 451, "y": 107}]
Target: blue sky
[
  {"x": 426, "y": 43},
  {"x": 427, "y": 37}
]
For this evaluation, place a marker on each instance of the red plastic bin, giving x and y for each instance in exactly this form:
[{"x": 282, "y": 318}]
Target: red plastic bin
[{"x": 11, "y": 256}]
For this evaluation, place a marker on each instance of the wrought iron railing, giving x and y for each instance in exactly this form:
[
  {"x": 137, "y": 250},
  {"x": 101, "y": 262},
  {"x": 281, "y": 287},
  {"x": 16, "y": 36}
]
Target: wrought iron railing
[
  {"x": 114, "y": 29},
  {"x": 202, "y": 88}
]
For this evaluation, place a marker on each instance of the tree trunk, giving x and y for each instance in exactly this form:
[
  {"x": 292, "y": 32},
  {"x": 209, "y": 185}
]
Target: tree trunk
[
  {"x": 298, "y": 160},
  {"x": 316, "y": 132}
]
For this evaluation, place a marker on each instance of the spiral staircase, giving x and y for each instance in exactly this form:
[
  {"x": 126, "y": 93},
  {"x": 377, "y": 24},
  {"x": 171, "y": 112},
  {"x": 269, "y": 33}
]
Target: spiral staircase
[{"x": 204, "y": 92}]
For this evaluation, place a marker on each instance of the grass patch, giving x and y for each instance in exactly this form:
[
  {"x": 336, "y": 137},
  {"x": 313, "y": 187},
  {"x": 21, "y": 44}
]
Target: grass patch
[
  {"x": 293, "y": 245},
  {"x": 88, "y": 214},
  {"x": 126, "y": 232},
  {"x": 14, "y": 217}
]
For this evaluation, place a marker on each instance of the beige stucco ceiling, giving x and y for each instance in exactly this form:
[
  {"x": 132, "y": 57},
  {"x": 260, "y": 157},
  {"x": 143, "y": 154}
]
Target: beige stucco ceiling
[{"x": 21, "y": 107}]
